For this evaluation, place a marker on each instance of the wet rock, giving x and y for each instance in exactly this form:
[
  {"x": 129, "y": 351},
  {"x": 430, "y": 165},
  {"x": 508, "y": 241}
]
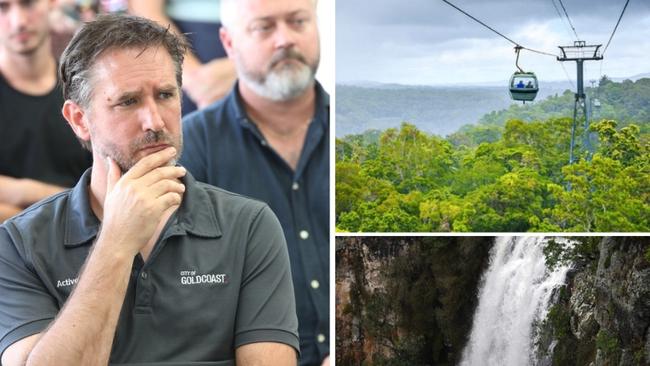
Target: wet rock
[{"x": 608, "y": 307}]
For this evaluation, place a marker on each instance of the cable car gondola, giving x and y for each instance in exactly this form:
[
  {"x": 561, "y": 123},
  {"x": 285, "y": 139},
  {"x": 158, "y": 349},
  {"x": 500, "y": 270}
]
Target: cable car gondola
[
  {"x": 596, "y": 103},
  {"x": 523, "y": 85}
]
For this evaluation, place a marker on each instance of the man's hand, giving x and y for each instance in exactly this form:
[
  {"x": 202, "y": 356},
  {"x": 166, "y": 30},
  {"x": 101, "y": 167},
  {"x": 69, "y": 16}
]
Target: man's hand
[
  {"x": 326, "y": 361},
  {"x": 136, "y": 201}
]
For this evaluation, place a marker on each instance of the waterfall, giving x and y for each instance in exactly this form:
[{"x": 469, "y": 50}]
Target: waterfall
[{"x": 515, "y": 293}]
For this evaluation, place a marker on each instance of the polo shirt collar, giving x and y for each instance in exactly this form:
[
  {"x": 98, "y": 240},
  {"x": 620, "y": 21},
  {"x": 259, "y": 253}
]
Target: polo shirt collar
[
  {"x": 81, "y": 225},
  {"x": 196, "y": 215},
  {"x": 322, "y": 105}
]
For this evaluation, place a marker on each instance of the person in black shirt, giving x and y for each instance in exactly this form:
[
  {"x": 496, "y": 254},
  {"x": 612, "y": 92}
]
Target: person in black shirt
[{"x": 39, "y": 154}]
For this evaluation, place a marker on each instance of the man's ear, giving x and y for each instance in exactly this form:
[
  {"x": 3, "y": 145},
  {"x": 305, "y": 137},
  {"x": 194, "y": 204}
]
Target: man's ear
[
  {"x": 226, "y": 41},
  {"x": 77, "y": 119}
]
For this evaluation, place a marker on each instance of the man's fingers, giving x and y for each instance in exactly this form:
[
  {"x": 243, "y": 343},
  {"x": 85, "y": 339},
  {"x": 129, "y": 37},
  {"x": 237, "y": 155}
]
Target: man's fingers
[
  {"x": 170, "y": 199},
  {"x": 163, "y": 172},
  {"x": 166, "y": 186},
  {"x": 114, "y": 174},
  {"x": 150, "y": 162}
]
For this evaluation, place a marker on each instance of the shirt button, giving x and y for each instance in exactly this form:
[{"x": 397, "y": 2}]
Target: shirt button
[
  {"x": 264, "y": 143},
  {"x": 144, "y": 275},
  {"x": 321, "y": 338},
  {"x": 304, "y": 234},
  {"x": 295, "y": 186},
  {"x": 315, "y": 284}
]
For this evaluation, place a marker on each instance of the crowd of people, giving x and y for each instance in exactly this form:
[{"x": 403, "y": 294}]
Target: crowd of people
[{"x": 164, "y": 183}]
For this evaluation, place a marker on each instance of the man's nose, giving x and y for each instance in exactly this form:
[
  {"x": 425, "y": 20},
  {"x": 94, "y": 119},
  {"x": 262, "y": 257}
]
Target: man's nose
[
  {"x": 18, "y": 17},
  {"x": 150, "y": 117},
  {"x": 285, "y": 36}
]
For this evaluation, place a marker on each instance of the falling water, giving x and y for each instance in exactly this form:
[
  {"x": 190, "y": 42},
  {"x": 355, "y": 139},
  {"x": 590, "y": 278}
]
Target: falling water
[{"x": 515, "y": 294}]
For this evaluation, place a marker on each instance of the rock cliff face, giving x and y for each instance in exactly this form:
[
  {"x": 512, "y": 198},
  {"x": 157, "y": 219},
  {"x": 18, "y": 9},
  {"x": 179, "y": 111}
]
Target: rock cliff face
[
  {"x": 411, "y": 301},
  {"x": 406, "y": 301},
  {"x": 602, "y": 316}
]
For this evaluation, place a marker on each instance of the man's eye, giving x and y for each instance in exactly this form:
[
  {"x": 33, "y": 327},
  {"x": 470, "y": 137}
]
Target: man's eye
[
  {"x": 166, "y": 95},
  {"x": 262, "y": 28},
  {"x": 127, "y": 102},
  {"x": 299, "y": 22}
]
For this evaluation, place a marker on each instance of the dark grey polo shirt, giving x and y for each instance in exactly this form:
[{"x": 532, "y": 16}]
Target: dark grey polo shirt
[{"x": 217, "y": 278}]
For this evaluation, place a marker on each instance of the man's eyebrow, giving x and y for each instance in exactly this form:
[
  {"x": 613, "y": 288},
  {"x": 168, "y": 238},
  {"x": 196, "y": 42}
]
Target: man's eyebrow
[
  {"x": 298, "y": 12},
  {"x": 168, "y": 87},
  {"x": 280, "y": 16},
  {"x": 171, "y": 87},
  {"x": 129, "y": 95}
]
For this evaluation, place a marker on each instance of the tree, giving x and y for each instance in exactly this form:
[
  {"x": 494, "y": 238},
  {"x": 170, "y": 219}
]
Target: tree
[{"x": 512, "y": 176}]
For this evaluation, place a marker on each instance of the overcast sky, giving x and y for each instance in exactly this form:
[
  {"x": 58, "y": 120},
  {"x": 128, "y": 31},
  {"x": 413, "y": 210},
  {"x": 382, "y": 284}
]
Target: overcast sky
[
  {"x": 326, "y": 68},
  {"x": 427, "y": 42}
]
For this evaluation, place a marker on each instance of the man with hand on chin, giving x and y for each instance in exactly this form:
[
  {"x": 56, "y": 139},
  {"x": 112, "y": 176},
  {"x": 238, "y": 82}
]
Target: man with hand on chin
[{"x": 139, "y": 264}]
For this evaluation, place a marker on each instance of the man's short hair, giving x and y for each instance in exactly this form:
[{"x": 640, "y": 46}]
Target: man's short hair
[
  {"x": 229, "y": 15},
  {"x": 107, "y": 32}
]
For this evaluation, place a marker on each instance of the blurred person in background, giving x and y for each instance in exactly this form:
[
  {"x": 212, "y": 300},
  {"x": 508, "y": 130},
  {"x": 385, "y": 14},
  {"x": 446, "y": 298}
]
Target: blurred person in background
[
  {"x": 39, "y": 154},
  {"x": 207, "y": 73},
  {"x": 68, "y": 15}
]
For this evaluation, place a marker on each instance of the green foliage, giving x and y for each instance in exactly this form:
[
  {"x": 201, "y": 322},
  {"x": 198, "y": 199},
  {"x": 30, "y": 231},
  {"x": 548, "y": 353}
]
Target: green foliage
[
  {"x": 414, "y": 307},
  {"x": 620, "y": 145},
  {"x": 639, "y": 357},
  {"x": 605, "y": 195},
  {"x": 607, "y": 343},
  {"x": 474, "y": 135},
  {"x": 405, "y": 180},
  {"x": 581, "y": 249},
  {"x": 402, "y": 307},
  {"x": 560, "y": 320}
]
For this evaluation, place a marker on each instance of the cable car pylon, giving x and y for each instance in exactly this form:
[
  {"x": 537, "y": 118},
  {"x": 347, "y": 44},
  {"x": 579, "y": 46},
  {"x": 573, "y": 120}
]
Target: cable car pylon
[{"x": 580, "y": 52}]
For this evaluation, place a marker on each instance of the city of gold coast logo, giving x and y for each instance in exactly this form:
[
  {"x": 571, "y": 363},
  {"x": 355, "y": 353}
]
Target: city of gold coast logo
[{"x": 193, "y": 278}]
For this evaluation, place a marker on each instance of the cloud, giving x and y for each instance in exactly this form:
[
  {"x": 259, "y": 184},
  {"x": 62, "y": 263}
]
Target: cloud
[{"x": 427, "y": 41}]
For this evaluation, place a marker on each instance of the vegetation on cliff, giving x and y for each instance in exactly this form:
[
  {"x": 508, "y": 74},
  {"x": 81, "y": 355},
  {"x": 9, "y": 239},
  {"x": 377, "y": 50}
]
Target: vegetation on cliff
[
  {"x": 411, "y": 300},
  {"x": 404, "y": 301}
]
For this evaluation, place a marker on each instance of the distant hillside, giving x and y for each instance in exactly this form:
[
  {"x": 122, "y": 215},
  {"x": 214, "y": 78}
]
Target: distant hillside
[
  {"x": 437, "y": 110},
  {"x": 632, "y": 78},
  {"x": 627, "y": 102}
]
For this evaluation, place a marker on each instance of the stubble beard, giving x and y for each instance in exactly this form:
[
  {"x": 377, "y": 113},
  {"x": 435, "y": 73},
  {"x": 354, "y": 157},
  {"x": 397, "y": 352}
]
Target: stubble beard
[{"x": 125, "y": 160}]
